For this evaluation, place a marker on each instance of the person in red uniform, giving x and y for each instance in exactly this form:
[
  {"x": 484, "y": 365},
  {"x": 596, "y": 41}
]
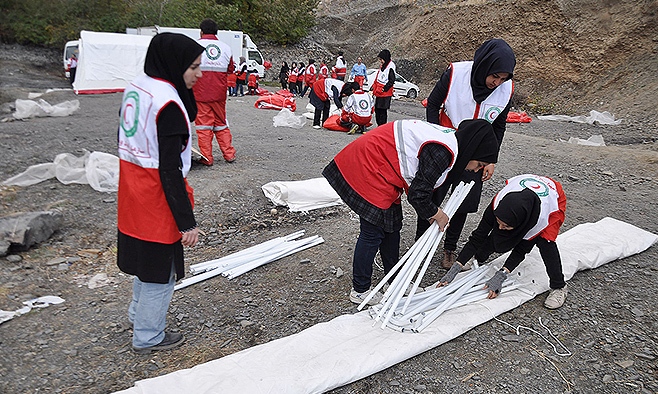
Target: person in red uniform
[
  {"x": 310, "y": 76},
  {"x": 210, "y": 95},
  {"x": 481, "y": 88},
  {"x": 371, "y": 173},
  {"x": 155, "y": 217},
  {"x": 527, "y": 212},
  {"x": 382, "y": 86},
  {"x": 252, "y": 83}
]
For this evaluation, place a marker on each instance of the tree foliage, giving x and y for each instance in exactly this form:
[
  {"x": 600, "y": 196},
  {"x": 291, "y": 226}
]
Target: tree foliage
[{"x": 53, "y": 22}]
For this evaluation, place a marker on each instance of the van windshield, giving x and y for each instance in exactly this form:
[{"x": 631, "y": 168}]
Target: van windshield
[
  {"x": 70, "y": 51},
  {"x": 254, "y": 55}
]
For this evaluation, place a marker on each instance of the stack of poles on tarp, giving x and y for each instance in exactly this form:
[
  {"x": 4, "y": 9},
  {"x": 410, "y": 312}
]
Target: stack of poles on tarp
[
  {"x": 238, "y": 263},
  {"x": 420, "y": 310}
]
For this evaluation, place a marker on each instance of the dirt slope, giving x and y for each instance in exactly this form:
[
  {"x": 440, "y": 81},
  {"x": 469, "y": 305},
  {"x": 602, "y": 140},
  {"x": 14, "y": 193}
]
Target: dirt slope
[{"x": 572, "y": 56}]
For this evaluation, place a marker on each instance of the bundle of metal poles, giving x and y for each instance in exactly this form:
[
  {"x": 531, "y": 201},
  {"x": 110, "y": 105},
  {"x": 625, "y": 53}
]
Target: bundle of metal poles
[
  {"x": 245, "y": 260},
  {"x": 408, "y": 268}
]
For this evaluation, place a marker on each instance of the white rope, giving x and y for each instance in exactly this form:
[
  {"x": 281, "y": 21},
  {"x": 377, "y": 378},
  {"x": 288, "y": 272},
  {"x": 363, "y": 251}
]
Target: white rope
[{"x": 518, "y": 328}]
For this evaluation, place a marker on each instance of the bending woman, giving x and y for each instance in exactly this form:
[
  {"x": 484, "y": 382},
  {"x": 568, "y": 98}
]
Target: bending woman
[
  {"x": 528, "y": 211},
  {"x": 371, "y": 173}
]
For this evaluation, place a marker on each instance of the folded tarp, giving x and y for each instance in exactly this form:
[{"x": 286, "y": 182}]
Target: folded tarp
[
  {"x": 349, "y": 348},
  {"x": 302, "y": 196}
]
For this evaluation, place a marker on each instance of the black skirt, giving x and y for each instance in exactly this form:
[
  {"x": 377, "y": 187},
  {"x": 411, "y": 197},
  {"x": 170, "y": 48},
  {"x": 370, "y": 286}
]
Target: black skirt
[{"x": 149, "y": 261}]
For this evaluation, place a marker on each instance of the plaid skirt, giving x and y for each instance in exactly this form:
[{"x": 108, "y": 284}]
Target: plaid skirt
[{"x": 389, "y": 220}]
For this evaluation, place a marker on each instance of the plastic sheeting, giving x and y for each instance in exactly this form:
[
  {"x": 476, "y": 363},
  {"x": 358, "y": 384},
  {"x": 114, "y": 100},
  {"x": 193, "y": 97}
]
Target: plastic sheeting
[
  {"x": 37, "y": 109},
  {"x": 348, "y": 348},
  {"x": 287, "y": 118},
  {"x": 604, "y": 117},
  {"x": 97, "y": 169},
  {"x": 302, "y": 196}
]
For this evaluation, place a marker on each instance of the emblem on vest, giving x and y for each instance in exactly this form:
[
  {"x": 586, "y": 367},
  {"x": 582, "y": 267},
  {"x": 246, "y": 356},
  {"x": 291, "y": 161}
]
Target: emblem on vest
[
  {"x": 537, "y": 186},
  {"x": 213, "y": 52},
  {"x": 491, "y": 113},
  {"x": 364, "y": 104},
  {"x": 130, "y": 114}
]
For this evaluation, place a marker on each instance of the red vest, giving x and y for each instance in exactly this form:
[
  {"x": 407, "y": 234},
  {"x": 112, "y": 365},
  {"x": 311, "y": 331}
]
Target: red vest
[
  {"x": 381, "y": 79},
  {"x": 381, "y": 164}
]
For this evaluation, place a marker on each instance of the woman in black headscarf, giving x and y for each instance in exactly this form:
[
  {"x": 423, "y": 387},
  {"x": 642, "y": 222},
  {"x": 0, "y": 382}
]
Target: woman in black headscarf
[
  {"x": 283, "y": 75},
  {"x": 155, "y": 217},
  {"x": 528, "y": 211},
  {"x": 412, "y": 156},
  {"x": 478, "y": 89},
  {"x": 382, "y": 86}
]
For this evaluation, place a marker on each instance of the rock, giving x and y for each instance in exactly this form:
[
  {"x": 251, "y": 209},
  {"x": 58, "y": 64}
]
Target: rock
[
  {"x": 339, "y": 273},
  {"x": 14, "y": 258},
  {"x": 23, "y": 230},
  {"x": 304, "y": 261},
  {"x": 608, "y": 378},
  {"x": 625, "y": 363},
  {"x": 393, "y": 383},
  {"x": 245, "y": 323},
  {"x": 56, "y": 261}
]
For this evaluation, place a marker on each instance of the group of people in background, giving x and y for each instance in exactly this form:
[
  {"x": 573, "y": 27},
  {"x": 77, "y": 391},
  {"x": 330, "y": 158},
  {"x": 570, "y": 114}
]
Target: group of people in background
[{"x": 459, "y": 141}]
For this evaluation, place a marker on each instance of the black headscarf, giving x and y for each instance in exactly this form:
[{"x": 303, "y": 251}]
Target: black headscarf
[
  {"x": 385, "y": 55},
  {"x": 517, "y": 209},
  {"x": 475, "y": 141},
  {"x": 494, "y": 56},
  {"x": 168, "y": 57}
]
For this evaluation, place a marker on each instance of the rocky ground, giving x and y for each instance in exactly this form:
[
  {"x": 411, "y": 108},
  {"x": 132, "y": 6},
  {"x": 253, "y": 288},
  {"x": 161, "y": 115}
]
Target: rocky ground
[{"x": 83, "y": 345}]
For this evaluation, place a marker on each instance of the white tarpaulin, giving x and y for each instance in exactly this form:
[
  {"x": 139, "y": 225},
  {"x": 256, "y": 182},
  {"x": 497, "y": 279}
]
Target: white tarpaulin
[
  {"x": 302, "y": 196},
  {"x": 41, "y": 108},
  {"x": 107, "y": 62},
  {"x": 348, "y": 348},
  {"x": 604, "y": 117}
]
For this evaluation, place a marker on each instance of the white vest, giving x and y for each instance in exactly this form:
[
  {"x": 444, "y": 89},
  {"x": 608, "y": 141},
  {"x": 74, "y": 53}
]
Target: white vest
[
  {"x": 382, "y": 76},
  {"x": 329, "y": 82},
  {"x": 216, "y": 57},
  {"x": 143, "y": 99},
  {"x": 360, "y": 103},
  {"x": 545, "y": 190},
  {"x": 460, "y": 105},
  {"x": 411, "y": 136}
]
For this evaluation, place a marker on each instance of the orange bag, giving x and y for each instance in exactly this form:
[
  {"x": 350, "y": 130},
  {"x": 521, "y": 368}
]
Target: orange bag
[{"x": 333, "y": 123}]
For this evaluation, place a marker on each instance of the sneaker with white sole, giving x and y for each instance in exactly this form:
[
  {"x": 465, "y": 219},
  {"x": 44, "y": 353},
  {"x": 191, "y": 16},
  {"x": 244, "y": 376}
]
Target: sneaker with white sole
[
  {"x": 556, "y": 298},
  {"x": 358, "y": 298},
  {"x": 317, "y": 126}
]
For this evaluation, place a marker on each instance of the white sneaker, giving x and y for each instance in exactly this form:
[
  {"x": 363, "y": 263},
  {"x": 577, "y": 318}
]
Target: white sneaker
[
  {"x": 317, "y": 127},
  {"x": 556, "y": 298},
  {"x": 358, "y": 298}
]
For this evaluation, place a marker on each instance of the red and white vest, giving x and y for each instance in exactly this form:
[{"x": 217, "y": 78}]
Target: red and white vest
[
  {"x": 341, "y": 67},
  {"x": 143, "y": 211},
  {"x": 322, "y": 88},
  {"x": 546, "y": 190},
  {"x": 381, "y": 164},
  {"x": 310, "y": 74},
  {"x": 360, "y": 103},
  {"x": 381, "y": 79},
  {"x": 460, "y": 105},
  {"x": 324, "y": 71},
  {"x": 216, "y": 62}
]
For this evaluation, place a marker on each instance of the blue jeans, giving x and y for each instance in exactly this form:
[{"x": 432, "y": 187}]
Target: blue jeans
[
  {"x": 148, "y": 310},
  {"x": 371, "y": 239}
]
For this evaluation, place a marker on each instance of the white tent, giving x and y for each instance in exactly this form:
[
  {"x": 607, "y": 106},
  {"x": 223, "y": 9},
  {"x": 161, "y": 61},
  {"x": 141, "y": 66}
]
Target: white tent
[{"x": 107, "y": 62}]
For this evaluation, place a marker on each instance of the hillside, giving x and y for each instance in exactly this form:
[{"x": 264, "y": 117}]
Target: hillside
[{"x": 572, "y": 56}]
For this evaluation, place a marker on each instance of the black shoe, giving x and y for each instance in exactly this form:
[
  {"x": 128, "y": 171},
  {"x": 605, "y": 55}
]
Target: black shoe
[{"x": 170, "y": 341}]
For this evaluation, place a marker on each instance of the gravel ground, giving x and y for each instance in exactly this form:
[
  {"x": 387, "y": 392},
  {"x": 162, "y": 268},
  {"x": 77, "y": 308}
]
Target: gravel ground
[{"x": 83, "y": 345}]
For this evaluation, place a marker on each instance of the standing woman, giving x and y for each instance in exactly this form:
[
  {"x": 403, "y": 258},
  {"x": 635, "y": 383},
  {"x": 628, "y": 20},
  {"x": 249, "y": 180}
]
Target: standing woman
[
  {"x": 478, "y": 89},
  {"x": 241, "y": 73},
  {"x": 382, "y": 87},
  {"x": 300, "y": 78},
  {"x": 292, "y": 78},
  {"x": 371, "y": 173},
  {"x": 155, "y": 218},
  {"x": 283, "y": 76}
]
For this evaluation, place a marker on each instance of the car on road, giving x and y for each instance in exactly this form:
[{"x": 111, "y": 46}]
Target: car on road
[{"x": 402, "y": 87}]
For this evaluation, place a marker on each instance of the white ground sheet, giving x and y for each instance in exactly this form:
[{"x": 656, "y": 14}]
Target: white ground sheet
[
  {"x": 302, "y": 196},
  {"x": 348, "y": 348}
]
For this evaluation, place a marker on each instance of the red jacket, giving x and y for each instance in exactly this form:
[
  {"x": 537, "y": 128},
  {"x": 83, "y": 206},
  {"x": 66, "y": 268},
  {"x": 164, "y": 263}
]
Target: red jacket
[{"x": 212, "y": 86}]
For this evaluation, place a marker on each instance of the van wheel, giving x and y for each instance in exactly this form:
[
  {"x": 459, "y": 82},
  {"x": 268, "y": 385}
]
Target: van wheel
[{"x": 412, "y": 93}]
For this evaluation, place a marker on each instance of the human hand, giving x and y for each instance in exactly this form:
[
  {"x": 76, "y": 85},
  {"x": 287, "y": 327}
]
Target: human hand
[
  {"x": 441, "y": 219},
  {"x": 190, "y": 238},
  {"x": 495, "y": 284},
  {"x": 450, "y": 275},
  {"x": 487, "y": 172}
]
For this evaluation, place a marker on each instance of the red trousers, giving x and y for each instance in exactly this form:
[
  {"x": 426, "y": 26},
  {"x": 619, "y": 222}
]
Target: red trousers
[{"x": 211, "y": 120}]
